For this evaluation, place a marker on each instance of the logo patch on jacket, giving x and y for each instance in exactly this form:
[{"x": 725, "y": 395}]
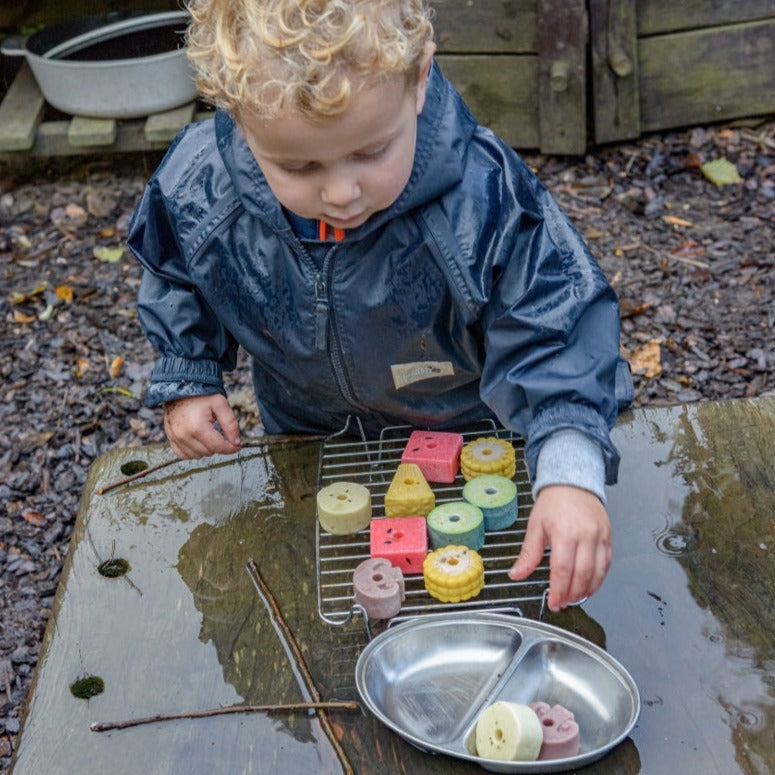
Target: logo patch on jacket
[{"x": 406, "y": 373}]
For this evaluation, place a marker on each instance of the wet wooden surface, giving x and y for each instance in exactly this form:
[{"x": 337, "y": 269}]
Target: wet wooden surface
[{"x": 687, "y": 608}]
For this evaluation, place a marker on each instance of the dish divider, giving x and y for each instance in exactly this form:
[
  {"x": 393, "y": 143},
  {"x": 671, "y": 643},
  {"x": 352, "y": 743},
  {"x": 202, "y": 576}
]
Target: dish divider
[{"x": 349, "y": 456}]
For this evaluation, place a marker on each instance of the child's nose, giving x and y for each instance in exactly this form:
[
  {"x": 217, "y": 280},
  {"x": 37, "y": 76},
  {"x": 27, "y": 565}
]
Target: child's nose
[{"x": 340, "y": 190}]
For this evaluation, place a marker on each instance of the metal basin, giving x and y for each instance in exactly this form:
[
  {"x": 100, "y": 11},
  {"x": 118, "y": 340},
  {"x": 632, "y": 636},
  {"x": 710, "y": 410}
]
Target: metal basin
[
  {"x": 111, "y": 66},
  {"x": 429, "y": 678}
]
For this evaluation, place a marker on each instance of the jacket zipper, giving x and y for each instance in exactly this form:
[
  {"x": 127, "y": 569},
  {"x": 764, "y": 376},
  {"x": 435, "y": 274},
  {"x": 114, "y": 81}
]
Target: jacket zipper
[{"x": 324, "y": 323}]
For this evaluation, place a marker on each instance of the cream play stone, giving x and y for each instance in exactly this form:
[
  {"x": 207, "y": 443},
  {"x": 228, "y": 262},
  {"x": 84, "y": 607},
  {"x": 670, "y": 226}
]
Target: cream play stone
[
  {"x": 509, "y": 731},
  {"x": 344, "y": 507}
]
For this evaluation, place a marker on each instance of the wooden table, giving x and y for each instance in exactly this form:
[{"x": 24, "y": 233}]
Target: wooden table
[{"x": 687, "y": 608}]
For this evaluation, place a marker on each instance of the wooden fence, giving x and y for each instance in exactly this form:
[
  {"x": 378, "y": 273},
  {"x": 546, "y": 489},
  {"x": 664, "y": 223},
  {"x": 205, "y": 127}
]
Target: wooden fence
[{"x": 554, "y": 75}]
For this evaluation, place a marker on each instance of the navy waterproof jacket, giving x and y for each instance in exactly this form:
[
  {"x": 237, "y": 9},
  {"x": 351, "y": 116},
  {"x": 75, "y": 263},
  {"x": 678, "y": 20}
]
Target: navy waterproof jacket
[{"x": 470, "y": 297}]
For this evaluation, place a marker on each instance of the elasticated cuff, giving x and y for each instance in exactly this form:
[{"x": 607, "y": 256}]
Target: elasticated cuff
[{"x": 571, "y": 457}]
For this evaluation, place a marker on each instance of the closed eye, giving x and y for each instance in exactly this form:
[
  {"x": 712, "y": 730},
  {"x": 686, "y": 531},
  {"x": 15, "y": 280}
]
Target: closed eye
[
  {"x": 369, "y": 154},
  {"x": 299, "y": 169}
]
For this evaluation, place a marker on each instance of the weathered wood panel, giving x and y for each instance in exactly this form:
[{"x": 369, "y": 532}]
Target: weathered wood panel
[
  {"x": 162, "y": 127},
  {"x": 87, "y": 132},
  {"x": 486, "y": 26},
  {"x": 502, "y": 92},
  {"x": 707, "y": 75},
  {"x": 614, "y": 50},
  {"x": 562, "y": 76},
  {"x": 659, "y": 16},
  {"x": 21, "y": 112}
]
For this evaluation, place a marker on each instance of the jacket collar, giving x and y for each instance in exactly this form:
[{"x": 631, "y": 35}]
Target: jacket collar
[{"x": 444, "y": 130}]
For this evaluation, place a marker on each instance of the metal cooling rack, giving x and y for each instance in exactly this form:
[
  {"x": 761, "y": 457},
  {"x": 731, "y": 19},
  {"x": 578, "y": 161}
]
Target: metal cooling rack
[{"x": 345, "y": 457}]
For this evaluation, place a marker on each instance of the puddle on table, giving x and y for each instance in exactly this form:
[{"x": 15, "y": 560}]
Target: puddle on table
[{"x": 687, "y": 608}]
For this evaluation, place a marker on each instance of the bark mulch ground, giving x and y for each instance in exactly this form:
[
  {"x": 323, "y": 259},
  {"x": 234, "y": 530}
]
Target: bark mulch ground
[{"x": 692, "y": 262}]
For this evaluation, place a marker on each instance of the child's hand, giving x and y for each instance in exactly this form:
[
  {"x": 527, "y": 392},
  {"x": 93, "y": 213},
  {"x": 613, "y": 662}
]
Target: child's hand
[
  {"x": 574, "y": 523},
  {"x": 189, "y": 424}
]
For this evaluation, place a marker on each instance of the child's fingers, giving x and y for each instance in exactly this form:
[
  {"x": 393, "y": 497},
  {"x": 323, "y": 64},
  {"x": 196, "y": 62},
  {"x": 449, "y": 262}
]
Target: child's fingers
[
  {"x": 532, "y": 551},
  {"x": 225, "y": 417},
  {"x": 562, "y": 563}
]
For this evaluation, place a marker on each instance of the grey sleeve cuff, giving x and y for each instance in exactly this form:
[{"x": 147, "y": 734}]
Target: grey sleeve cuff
[{"x": 571, "y": 457}]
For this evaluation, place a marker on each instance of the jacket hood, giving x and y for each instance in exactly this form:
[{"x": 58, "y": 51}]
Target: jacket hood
[{"x": 444, "y": 130}]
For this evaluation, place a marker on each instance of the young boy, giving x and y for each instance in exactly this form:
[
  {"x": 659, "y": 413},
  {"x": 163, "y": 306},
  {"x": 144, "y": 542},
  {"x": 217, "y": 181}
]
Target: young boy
[{"x": 378, "y": 254}]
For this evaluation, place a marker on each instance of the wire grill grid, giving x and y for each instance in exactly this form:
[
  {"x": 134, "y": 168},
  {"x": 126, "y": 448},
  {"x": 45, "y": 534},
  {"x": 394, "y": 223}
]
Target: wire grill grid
[{"x": 373, "y": 464}]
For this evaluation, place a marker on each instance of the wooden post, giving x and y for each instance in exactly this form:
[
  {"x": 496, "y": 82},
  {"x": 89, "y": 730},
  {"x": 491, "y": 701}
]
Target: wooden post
[
  {"x": 562, "y": 91},
  {"x": 21, "y": 112},
  {"x": 614, "y": 44}
]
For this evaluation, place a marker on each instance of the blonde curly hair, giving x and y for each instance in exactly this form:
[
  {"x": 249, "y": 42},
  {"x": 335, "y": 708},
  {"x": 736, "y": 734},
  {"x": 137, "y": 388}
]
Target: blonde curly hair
[{"x": 311, "y": 55}]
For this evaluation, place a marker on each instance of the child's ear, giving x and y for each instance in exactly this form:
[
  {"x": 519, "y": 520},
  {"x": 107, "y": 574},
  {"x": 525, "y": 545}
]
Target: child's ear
[{"x": 422, "y": 80}]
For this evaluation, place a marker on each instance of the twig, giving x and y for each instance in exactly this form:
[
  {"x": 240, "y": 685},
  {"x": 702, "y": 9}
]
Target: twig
[
  {"x": 266, "y": 442},
  {"x": 6, "y": 671},
  {"x": 106, "y": 726},
  {"x": 291, "y": 645},
  {"x": 672, "y": 257}
]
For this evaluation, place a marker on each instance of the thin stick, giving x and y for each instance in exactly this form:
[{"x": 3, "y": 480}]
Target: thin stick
[
  {"x": 291, "y": 645},
  {"x": 106, "y": 726},
  {"x": 266, "y": 442}
]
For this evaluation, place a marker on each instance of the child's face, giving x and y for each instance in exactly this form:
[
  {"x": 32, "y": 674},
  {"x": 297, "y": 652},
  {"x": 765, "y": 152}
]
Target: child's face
[{"x": 345, "y": 168}]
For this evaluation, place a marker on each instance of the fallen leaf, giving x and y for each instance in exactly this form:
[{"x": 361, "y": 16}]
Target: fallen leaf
[
  {"x": 34, "y": 517},
  {"x": 64, "y": 292},
  {"x": 23, "y": 317},
  {"x": 34, "y": 439},
  {"x": 689, "y": 250},
  {"x": 20, "y": 298},
  {"x": 47, "y": 313},
  {"x": 82, "y": 365},
  {"x": 108, "y": 255},
  {"x": 115, "y": 366},
  {"x": 69, "y": 218},
  {"x": 674, "y": 220},
  {"x": 721, "y": 172},
  {"x": 646, "y": 359}
]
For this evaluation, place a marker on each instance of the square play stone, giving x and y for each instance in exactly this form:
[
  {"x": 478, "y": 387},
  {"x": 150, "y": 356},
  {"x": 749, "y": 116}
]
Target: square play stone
[
  {"x": 437, "y": 453},
  {"x": 401, "y": 540}
]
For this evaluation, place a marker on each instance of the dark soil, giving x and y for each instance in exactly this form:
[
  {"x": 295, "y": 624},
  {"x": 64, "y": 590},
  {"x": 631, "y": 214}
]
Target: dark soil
[{"x": 692, "y": 262}]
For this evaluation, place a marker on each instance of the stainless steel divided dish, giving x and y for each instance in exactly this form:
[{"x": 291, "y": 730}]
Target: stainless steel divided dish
[{"x": 429, "y": 678}]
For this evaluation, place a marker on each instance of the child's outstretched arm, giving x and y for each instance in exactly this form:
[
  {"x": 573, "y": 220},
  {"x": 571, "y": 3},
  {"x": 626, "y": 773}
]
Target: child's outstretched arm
[
  {"x": 574, "y": 523},
  {"x": 190, "y": 426}
]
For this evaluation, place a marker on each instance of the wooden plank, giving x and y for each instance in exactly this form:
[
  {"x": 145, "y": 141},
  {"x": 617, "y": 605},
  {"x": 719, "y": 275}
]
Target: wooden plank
[
  {"x": 613, "y": 44},
  {"x": 661, "y": 16},
  {"x": 502, "y": 93},
  {"x": 21, "y": 112},
  {"x": 86, "y": 132},
  {"x": 707, "y": 75},
  {"x": 562, "y": 77},
  {"x": 163, "y": 127},
  {"x": 486, "y": 26},
  {"x": 51, "y": 140}
]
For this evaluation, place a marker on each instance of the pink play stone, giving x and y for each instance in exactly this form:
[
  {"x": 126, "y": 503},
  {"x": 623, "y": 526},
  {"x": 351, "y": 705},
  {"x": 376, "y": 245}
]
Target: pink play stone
[
  {"x": 437, "y": 453},
  {"x": 401, "y": 540},
  {"x": 379, "y": 588},
  {"x": 561, "y": 732}
]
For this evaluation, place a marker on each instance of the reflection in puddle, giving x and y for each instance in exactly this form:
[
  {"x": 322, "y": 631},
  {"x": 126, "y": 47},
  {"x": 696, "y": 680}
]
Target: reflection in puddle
[{"x": 710, "y": 652}]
